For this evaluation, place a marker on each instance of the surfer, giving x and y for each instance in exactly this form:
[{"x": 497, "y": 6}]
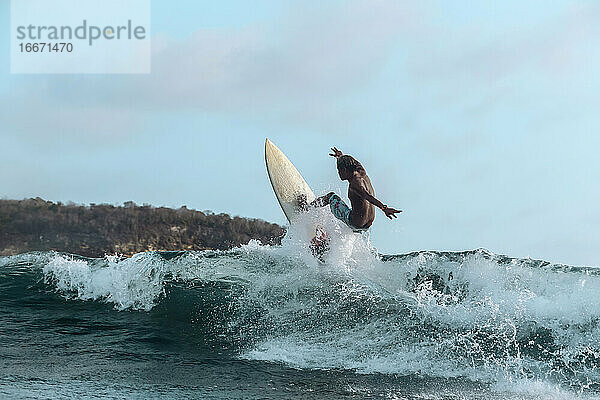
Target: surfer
[{"x": 360, "y": 192}]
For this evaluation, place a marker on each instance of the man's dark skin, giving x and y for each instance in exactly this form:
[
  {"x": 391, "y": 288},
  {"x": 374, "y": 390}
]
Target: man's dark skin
[{"x": 360, "y": 193}]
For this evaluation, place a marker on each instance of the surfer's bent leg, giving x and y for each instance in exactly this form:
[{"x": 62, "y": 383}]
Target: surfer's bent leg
[{"x": 340, "y": 209}]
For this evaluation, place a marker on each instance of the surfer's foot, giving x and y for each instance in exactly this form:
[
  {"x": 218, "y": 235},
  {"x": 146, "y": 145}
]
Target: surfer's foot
[
  {"x": 319, "y": 249},
  {"x": 319, "y": 245}
]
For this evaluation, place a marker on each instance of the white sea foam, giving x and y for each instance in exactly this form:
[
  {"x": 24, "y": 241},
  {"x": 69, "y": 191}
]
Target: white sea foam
[{"x": 128, "y": 283}]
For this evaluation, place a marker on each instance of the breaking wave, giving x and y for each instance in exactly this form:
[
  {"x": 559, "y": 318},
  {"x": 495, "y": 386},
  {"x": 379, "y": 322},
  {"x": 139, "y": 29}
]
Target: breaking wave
[{"x": 489, "y": 318}]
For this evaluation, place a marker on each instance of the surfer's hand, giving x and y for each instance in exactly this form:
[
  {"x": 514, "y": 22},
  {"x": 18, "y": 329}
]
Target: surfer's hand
[
  {"x": 336, "y": 153},
  {"x": 390, "y": 212}
]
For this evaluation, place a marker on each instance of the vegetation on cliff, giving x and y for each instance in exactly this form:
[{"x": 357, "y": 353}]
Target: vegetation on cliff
[{"x": 98, "y": 229}]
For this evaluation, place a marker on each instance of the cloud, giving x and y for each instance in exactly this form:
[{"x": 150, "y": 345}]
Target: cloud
[
  {"x": 300, "y": 68},
  {"x": 314, "y": 55},
  {"x": 294, "y": 69},
  {"x": 557, "y": 48},
  {"x": 44, "y": 123}
]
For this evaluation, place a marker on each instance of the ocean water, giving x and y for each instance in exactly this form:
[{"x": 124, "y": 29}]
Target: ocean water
[{"x": 271, "y": 322}]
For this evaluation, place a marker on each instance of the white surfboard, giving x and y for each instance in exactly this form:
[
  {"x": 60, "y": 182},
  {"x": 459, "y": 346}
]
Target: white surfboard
[
  {"x": 287, "y": 182},
  {"x": 288, "y": 186}
]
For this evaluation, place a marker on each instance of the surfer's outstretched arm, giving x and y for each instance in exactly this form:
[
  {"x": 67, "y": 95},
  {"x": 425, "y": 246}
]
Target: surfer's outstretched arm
[{"x": 389, "y": 211}]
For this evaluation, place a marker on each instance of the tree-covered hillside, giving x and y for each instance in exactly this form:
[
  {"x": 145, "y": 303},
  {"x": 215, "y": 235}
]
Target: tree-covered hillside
[{"x": 98, "y": 229}]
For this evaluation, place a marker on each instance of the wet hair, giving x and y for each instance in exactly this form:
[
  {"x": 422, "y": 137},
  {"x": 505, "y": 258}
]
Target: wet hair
[{"x": 349, "y": 163}]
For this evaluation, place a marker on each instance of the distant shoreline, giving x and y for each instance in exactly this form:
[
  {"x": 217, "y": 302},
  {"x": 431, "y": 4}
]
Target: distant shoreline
[{"x": 99, "y": 229}]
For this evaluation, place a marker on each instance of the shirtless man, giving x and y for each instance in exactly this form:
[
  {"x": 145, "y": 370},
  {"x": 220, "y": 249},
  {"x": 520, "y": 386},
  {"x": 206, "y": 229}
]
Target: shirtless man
[{"x": 360, "y": 193}]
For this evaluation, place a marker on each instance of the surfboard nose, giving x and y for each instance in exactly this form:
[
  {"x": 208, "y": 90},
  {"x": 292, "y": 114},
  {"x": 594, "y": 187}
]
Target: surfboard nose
[{"x": 270, "y": 147}]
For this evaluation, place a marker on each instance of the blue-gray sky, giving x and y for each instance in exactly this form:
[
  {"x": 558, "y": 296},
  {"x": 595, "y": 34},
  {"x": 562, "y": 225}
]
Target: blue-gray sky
[{"x": 479, "y": 119}]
